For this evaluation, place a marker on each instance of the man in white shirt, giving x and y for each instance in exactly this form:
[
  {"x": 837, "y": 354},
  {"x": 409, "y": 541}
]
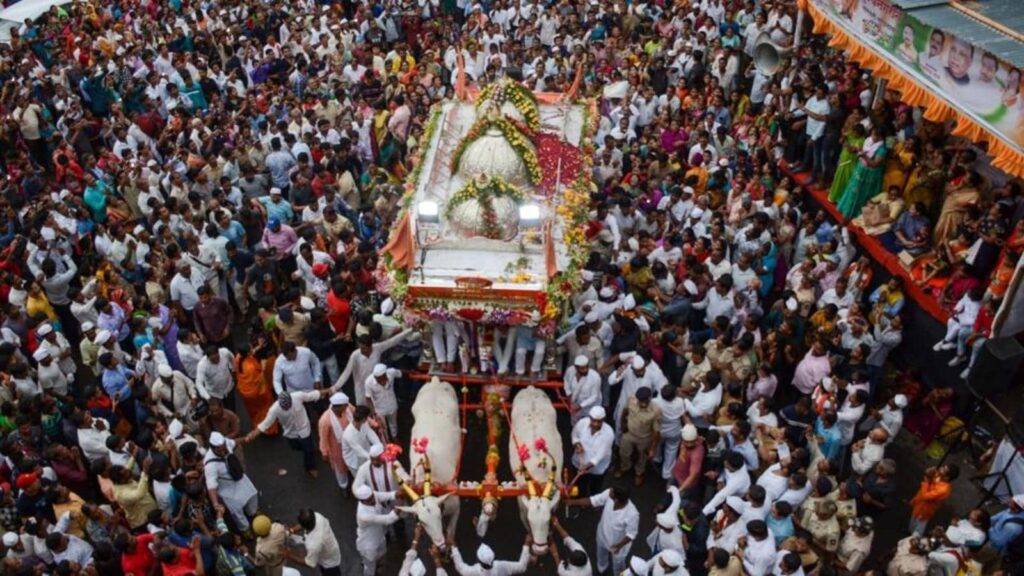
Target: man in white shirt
[
  {"x": 719, "y": 301},
  {"x": 672, "y": 410},
  {"x": 869, "y": 451},
  {"x": 373, "y": 516},
  {"x": 667, "y": 563},
  {"x": 184, "y": 287},
  {"x": 381, "y": 399},
  {"x": 296, "y": 368},
  {"x": 707, "y": 398},
  {"x": 361, "y": 362},
  {"x": 817, "y": 109},
  {"x": 592, "y": 441},
  {"x": 576, "y": 562},
  {"x": 174, "y": 392},
  {"x": 617, "y": 529},
  {"x": 215, "y": 376},
  {"x": 358, "y": 438},
  {"x": 757, "y": 550},
  {"x": 290, "y": 411},
  {"x": 488, "y": 566},
  {"x": 234, "y": 492},
  {"x": 92, "y": 435},
  {"x": 726, "y": 528},
  {"x": 736, "y": 482},
  {"x": 48, "y": 373},
  {"x": 322, "y": 550},
  {"x": 583, "y": 387}
]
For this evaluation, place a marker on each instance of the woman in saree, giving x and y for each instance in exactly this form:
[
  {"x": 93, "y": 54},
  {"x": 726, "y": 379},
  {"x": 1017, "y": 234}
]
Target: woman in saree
[
  {"x": 852, "y": 143},
  {"x": 867, "y": 176},
  {"x": 962, "y": 191},
  {"x": 167, "y": 332},
  {"x": 252, "y": 386},
  {"x": 992, "y": 236},
  {"x": 927, "y": 180},
  {"x": 673, "y": 139},
  {"x": 885, "y": 209},
  {"x": 900, "y": 164},
  {"x": 924, "y": 419},
  {"x": 767, "y": 260},
  {"x": 1007, "y": 263},
  {"x": 910, "y": 232}
]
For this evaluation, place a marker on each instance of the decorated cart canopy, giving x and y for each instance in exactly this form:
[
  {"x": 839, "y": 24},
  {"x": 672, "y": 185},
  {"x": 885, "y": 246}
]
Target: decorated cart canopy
[{"x": 494, "y": 212}]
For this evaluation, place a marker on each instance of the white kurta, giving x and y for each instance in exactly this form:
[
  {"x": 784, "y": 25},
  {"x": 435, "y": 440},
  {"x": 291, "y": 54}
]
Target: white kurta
[
  {"x": 92, "y": 441},
  {"x": 216, "y": 380},
  {"x": 356, "y": 443},
  {"x": 652, "y": 379},
  {"x": 321, "y": 546},
  {"x": 295, "y": 420},
  {"x": 597, "y": 448},
  {"x": 360, "y": 366},
  {"x": 585, "y": 392},
  {"x": 499, "y": 568},
  {"x": 736, "y": 484},
  {"x": 380, "y": 479},
  {"x": 384, "y": 401},
  {"x": 175, "y": 398},
  {"x": 371, "y": 522},
  {"x": 234, "y": 494},
  {"x": 659, "y": 539},
  {"x": 564, "y": 569},
  {"x": 759, "y": 556}
]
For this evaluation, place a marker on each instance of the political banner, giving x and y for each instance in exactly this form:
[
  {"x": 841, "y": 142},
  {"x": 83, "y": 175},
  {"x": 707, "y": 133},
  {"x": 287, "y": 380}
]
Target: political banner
[{"x": 972, "y": 79}]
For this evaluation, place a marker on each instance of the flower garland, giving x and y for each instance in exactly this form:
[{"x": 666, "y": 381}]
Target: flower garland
[
  {"x": 519, "y": 96},
  {"x": 414, "y": 178},
  {"x": 484, "y": 193},
  {"x": 515, "y": 135},
  {"x": 572, "y": 211},
  {"x": 398, "y": 279}
]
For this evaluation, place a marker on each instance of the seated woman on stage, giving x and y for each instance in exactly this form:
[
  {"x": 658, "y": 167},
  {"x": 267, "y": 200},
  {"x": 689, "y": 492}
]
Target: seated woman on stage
[
  {"x": 910, "y": 232},
  {"x": 881, "y": 212}
]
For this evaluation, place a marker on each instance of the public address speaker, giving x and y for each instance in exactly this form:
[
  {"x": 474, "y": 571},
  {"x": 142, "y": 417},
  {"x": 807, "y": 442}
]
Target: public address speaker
[{"x": 997, "y": 365}]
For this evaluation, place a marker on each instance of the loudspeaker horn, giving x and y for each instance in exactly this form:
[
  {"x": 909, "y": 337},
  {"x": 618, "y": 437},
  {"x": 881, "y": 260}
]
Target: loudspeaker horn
[{"x": 768, "y": 55}]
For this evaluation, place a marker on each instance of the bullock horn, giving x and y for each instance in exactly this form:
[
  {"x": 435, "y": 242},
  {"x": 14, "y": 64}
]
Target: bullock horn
[
  {"x": 531, "y": 489},
  {"x": 548, "y": 489},
  {"x": 407, "y": 489},
  {"x": 426, "y": 484},
  {"x": 550, "y": 486}
]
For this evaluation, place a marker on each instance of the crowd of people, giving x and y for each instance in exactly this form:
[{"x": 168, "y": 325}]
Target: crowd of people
[{"x": 194, "y": 202}]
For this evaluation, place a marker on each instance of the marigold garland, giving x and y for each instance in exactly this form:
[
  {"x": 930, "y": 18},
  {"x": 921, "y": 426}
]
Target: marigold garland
[
  {"x": 484, "y": 193},
  {"x": 519, "y": 96},
  {"x": 516, "y": 137}
]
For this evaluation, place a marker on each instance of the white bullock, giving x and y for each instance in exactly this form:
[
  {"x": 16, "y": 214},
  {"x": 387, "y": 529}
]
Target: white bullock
[
  {"x": 436, "y": 413},
  {"x": 533, "y": 419}
]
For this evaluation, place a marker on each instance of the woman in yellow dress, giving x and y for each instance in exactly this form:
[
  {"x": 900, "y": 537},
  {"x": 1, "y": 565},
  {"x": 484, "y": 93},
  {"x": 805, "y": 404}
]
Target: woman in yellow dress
[
  {"x": 37, "y": 304},
  {"x": 926, "y": 182},
  {"x": 901, "y": 162}
]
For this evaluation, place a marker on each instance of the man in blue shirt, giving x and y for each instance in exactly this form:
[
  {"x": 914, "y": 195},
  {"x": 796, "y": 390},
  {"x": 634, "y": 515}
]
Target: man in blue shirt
[
  {"x": 117, "y": 381},
  {"x": 1007, "y": 525},
  {"x": 828, "y": 436},
  {"x": 280, "y": 163},
  {"x": 780, "y": 521}
]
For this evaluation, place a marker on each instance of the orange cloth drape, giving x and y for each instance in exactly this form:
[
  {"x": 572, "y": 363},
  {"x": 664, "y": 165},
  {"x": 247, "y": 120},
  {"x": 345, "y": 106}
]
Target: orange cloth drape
[
  {"x": 401, "y": 246},
  {"x": 550, "y": 260},
  {"x": 1005, "y": 156}
]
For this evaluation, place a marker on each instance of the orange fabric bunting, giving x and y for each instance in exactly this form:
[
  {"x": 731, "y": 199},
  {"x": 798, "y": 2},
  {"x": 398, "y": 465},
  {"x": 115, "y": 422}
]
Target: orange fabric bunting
[{"x": 1005, "y": 156}]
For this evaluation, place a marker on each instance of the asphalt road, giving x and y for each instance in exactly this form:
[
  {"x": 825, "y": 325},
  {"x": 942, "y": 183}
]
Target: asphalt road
[{"x": 282, "y": 496}]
